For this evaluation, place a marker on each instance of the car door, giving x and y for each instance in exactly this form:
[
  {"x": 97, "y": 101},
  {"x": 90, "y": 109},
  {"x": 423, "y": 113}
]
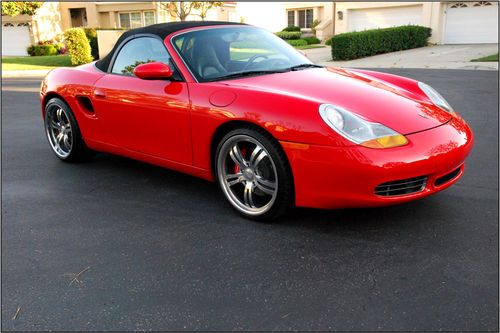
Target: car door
[{"x": 147, "y": 116}]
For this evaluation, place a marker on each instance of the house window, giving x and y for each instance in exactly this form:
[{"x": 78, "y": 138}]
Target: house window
[
  {"x": 291, "y": 18},
  {"x": 305, "y": 18},
  {"x": 130, "y": 20},
  {"x": 149, "y": 18}
]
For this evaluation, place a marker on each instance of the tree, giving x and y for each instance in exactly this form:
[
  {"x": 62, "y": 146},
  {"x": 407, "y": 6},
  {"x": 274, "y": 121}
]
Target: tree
[
  {"x": 182, "y": 9},
  {"x": 179, "y": 9},
  {"x": 14, "y": 8},
  {"x": 205, "y": 6}
]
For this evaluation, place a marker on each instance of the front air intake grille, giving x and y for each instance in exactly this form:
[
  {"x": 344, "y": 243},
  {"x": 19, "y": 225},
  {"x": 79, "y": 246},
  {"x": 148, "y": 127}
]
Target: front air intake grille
[
  {"x": 401, "y": 187},
  {"x": 446, "y": 178}
]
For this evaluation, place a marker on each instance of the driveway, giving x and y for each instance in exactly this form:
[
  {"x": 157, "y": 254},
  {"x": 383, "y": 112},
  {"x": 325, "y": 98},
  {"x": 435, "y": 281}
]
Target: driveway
[
  {"x": 114, "y": 244},
  {"x": 436, "y": 57}
]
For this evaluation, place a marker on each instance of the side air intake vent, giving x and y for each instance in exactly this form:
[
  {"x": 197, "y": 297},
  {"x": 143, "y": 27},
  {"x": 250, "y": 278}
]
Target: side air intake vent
[
  {"x": 446, "y": 178},
  {"x": 85, "y": 104}
]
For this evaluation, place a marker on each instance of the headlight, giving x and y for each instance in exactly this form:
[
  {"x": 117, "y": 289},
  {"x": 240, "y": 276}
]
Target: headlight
[
  {"x": 358, "y": 130},
  {"x": 435, "y": 97}
]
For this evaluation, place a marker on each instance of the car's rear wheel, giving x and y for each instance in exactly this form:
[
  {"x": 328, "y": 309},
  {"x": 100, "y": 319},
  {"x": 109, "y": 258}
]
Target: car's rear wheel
[
  {"x": 253, "y": 174},
  {"x": 63, "y": 132}
]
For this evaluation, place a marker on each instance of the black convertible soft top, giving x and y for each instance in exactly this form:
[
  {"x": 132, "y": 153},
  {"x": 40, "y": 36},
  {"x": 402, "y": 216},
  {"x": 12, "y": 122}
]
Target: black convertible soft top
[{"x": 161, "y": 30}]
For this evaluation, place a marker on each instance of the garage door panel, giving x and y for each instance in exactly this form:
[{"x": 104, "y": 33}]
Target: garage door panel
[
  {"x": 373, "y": 18},
  {"x": 469, "y": 25},
  {"x": 15, "y": 40}
]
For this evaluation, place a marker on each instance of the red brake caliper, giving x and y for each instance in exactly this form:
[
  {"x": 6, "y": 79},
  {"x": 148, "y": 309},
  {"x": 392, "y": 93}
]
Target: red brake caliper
[{"x": 236, "y": 166}]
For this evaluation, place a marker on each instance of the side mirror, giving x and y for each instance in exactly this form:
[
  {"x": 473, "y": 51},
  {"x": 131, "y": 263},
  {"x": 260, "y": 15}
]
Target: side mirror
[{"x": 153, "y": 71}]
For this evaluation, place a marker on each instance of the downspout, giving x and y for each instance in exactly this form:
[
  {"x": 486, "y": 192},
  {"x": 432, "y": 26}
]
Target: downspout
[{"x": 334, "y": 19}]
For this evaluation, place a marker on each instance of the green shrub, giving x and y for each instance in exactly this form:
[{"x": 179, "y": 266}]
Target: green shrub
[
  {"x": 292, "y": 28},
  {"x": 297, "y": 42},
  {"x": 31, "y": 50},
  {"x": 78, "y": 46},
  {"x": 289, "y": 35},
  {"x": 353, "y": 45},
  {"x": 49, "y": 50},
  {"x": 311, "y": 40},
  {"x": 91, "y": 34},
  {"x": 44, "y": 48},
  {"x": 328, "y": 41},
  {"x": 39, "y": 50}
]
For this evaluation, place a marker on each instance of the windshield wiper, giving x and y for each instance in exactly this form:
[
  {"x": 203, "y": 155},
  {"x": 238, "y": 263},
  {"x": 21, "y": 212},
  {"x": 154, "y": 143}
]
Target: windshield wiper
[
  {"x": 304, "y": 66},
  {"x": 247, "y": 73}
]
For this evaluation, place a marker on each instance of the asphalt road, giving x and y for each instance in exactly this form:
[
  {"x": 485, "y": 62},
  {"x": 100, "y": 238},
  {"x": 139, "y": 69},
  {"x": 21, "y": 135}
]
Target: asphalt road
[{"x": 167, "y": 253}]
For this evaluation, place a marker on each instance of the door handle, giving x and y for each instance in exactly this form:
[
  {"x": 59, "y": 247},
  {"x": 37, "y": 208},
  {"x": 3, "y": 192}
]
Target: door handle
[{"x": 99, "y": 93}]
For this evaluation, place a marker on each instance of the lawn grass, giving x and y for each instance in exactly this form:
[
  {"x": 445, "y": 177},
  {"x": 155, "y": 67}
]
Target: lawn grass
[
  {"x": 493, "y": 57},
  {"x": 34, "y": 63},
  {"x": 311, "y": 46}
]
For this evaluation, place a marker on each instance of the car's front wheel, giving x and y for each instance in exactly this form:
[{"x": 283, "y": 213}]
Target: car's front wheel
[
  {"x": 63, "y": 132},
  {"x": 253, "y": 174}
]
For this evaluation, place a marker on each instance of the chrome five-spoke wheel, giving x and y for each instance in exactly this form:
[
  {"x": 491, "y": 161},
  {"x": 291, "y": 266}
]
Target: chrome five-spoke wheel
[
  {"x": 59, "y": 132},
  {"x": 248, "y": 167},
  {"x": 63, "y": 132}
]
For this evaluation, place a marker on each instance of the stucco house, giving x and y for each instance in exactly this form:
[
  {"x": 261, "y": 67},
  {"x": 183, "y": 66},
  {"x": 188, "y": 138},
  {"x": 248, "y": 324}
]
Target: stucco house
[
  {"x": 452, "y": 22},
  {"x": 54, "y": 17}
]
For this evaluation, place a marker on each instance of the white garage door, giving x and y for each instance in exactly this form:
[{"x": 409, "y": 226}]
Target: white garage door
[
  {"x": 373, "y": 18},
  {"x": 15, "y": 40},
  {"x": 471, "y": 22}
]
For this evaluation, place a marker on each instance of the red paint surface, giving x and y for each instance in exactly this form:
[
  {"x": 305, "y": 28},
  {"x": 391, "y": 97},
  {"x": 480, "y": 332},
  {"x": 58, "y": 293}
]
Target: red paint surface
[{"x": 172, "y": 124}]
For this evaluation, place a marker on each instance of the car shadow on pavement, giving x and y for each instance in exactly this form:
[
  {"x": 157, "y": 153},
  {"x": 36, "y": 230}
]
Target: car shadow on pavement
[{"x": 194, "y": 196}]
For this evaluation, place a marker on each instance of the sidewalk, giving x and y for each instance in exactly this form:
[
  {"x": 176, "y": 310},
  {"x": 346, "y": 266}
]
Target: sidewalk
[
  {"x": 435, "y": 57},
  {"x": 27, "y": 73}
]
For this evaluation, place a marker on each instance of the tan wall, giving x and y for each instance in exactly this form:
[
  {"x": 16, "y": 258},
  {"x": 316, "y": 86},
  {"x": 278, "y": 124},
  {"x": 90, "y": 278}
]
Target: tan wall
[
  {"x": 322, "y": 11},
  {"x": 106, "y": 39},
  {"x": 47, "y": 22},
  {"x": 125, "y": 6},
  {"x": 92, "y": 21}
]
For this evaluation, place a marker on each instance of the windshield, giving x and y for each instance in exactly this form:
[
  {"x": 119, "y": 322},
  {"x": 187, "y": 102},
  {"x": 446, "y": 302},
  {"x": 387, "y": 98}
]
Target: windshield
[{"x": 221, "y": 53}]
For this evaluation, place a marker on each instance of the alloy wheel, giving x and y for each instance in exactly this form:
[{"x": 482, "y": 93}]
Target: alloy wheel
[
  {"x": 59, "y": 131},
  {"x": 247, "y": 175}
]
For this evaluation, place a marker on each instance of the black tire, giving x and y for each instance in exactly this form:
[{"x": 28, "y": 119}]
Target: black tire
[
  {"x": 78, "y": 151},
  {"x": 275, "y": 156}
]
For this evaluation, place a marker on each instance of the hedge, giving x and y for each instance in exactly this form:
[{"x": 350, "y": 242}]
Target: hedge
[
  {"x": 297, "y": 42},
  {"x": 311, "y": 40},
  {"x": 287, "y": 35},
  {"x": 353, "y": 45},
  {"x": 292, "y": 28},
  {"x": 78, "y": 46},
  {"x": 91, "y": 34},
  {"x": 45, "y": 48}
]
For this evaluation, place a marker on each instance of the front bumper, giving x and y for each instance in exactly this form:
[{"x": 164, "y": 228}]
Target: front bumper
[{"x": 346, "y": 177}]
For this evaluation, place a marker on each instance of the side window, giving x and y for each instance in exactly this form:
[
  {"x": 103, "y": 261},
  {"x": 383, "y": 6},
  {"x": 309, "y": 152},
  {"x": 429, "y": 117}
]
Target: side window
[{"x": 141, "y": 51}]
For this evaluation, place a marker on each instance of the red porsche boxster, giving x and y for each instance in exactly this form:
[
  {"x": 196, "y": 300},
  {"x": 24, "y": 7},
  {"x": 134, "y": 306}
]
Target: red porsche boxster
[{"x": 237, "y": 105}]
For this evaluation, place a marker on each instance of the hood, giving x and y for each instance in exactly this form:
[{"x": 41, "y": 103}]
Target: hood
[{"x": 375, "y": 100}]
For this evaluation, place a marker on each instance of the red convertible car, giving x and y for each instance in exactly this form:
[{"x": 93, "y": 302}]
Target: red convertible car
[{"x": 237, "y": 105}]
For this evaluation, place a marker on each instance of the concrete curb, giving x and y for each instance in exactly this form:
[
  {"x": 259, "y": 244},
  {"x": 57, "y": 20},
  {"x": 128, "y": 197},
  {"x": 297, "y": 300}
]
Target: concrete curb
[
  {"x": 28, "y": 73},
  {"x": 488, "y": 66}
]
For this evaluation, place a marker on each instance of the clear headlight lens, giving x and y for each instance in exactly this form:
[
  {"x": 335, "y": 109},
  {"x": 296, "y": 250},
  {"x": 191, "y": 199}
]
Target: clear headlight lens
[
  {"x": 358, "y": 130},
  {"x": 435, "y": 97}
]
